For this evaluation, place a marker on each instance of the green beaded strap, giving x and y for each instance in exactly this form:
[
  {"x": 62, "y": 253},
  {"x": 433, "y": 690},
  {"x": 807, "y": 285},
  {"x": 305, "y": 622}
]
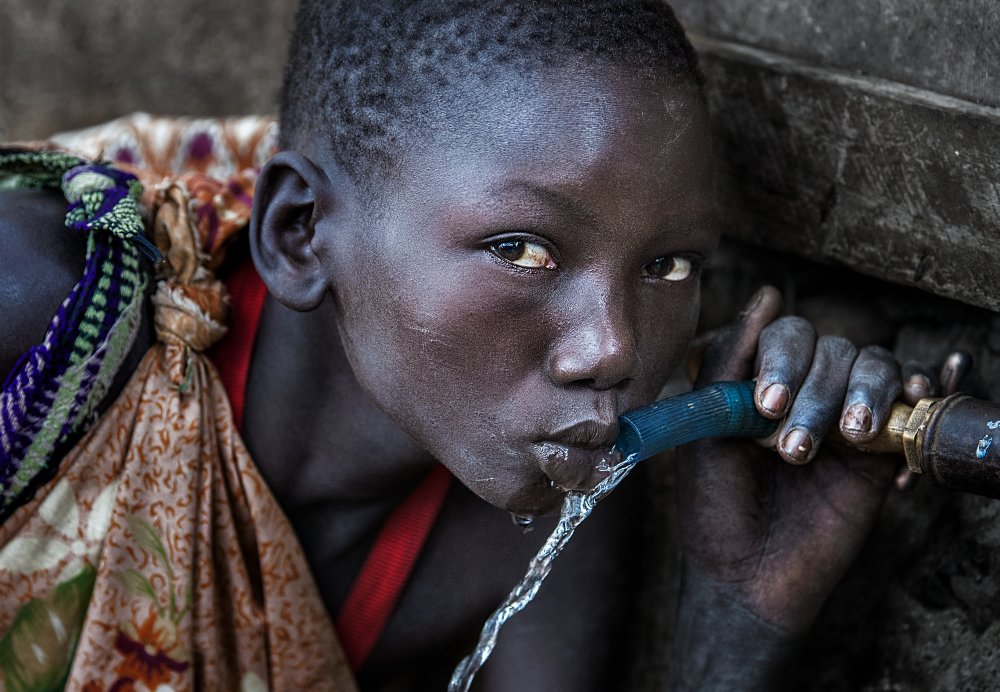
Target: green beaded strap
[{"x": 52, "y": 393}]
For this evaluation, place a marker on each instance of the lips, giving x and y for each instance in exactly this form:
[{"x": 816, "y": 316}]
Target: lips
[{"x": 578, "y": 457}]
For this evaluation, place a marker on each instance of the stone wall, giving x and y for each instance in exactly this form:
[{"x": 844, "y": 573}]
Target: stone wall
[
  {"x": 66, "y": 65},
  {"x": 946, "y": 48},
  {"x": 863, "y": 133}
]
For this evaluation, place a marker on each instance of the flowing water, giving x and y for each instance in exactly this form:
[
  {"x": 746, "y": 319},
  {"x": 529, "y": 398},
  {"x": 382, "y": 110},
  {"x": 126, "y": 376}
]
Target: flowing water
[{"x": 576, "y": 507}]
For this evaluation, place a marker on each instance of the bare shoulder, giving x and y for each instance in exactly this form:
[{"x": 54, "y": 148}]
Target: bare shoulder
[{"x": 41, "y": 260}]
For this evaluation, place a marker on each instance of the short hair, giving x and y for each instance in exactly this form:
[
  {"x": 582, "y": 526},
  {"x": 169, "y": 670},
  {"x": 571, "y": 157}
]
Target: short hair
[{"x": 359, "y": 70}]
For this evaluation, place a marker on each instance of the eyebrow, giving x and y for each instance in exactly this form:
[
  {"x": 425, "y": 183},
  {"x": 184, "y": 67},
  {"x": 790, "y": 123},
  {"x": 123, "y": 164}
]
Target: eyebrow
[
  {"x": 573, "y": 206},
  {"x": 553, "y": 197}
]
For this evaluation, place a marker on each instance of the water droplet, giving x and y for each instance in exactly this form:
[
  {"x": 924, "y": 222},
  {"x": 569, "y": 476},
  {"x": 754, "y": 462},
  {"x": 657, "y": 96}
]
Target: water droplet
[
  {"x": 524, "y": 523},
  {"x": 984, "y": 445}
]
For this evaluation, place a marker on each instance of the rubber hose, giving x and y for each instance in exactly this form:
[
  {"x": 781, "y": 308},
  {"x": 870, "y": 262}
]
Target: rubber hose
[{"x": 722, "y": 409}]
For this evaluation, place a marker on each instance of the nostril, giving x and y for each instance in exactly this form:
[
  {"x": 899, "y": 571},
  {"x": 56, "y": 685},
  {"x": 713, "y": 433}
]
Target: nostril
[
  {"x": 606, "y": 386},
  {"x": 600, "y": 385}
]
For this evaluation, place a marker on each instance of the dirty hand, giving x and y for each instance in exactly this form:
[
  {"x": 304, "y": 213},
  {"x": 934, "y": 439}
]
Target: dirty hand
[{"x": 767, "y": 536}]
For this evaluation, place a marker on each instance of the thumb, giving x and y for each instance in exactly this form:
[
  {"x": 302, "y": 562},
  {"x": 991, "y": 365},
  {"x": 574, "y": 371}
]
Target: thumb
[{"x": 730, "y": 354}]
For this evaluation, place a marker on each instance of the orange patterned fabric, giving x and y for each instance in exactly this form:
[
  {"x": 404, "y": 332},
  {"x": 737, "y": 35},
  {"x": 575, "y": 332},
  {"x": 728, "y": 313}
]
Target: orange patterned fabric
[
  {"x": 163, "y": 147},
  {"x": 156, "y": 558},
  {"x": 160, "y": 555}
]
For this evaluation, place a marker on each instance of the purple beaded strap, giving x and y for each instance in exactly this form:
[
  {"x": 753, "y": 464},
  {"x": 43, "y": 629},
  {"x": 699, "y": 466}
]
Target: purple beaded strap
[{"x": 53, "y": 391}]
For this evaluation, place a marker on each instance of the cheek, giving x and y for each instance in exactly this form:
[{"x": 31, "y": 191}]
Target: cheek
[
  {"x": 467, "y": 332},
  {"x": 459, "y": 368},
  {"x": 452, "y": 342},
  {"x": 664, "y": 333}
]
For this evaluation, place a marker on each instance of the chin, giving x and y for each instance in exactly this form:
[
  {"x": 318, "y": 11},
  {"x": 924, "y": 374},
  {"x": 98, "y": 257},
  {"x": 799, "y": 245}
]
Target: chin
[
  {"x": 506, "y": 476},
  {"x": 537, "y": 499},
  {"x": 527, "y": 493},
  {"x": 535, "y": 509}
]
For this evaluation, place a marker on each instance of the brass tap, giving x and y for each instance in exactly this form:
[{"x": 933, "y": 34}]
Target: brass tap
[{"x": 902, "y": 434}]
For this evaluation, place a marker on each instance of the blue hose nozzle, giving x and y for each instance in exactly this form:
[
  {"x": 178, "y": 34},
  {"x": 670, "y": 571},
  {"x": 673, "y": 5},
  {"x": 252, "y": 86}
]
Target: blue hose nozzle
[{"x": 723, "y": 409}]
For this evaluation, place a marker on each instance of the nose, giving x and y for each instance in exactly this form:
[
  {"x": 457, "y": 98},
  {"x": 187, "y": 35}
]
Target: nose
[{"x": 597, "y": 347}]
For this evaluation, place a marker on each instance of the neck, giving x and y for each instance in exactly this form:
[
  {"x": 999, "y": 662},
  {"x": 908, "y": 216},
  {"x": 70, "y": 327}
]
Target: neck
[{"x": 315, "y": 433}]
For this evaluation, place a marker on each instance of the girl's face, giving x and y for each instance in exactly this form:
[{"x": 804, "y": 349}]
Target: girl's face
[{"x": 532, "y": 273}]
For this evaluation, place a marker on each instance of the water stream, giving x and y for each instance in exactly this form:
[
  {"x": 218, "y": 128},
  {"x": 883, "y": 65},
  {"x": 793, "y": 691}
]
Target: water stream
[{"x": 576, "y": 507}]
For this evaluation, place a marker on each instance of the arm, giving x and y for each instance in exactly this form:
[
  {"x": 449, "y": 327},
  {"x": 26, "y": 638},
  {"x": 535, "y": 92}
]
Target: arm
[{"x": 721, "y": 644}]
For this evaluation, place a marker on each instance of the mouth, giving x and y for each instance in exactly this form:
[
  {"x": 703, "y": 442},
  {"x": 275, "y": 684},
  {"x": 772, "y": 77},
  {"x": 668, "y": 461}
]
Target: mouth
[{"x": 580, "y": 456}]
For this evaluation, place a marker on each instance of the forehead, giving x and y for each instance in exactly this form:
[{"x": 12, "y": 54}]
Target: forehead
[
  {"x": 605, "y": 104},
  {"x": 639, "y": 140}
]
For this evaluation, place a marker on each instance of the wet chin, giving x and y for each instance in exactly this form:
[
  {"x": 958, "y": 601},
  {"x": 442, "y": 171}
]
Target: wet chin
[
  {"x": 535, "y": 501},
  {"x": 527, "y": 495},
  {"x": 506, "y": 475}
]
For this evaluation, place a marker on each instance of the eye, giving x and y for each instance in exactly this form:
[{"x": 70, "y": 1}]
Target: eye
[
  {"x": 523, "y": 253},
  {"x": 669, "y": 268}
]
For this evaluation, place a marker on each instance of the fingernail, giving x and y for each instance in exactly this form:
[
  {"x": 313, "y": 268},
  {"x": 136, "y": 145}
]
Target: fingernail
[
  {"x": 753, "y": 303},
  {"x": 797, "y": 445},
  {"x": 918, "y": 386},
  {"x": 955, "y": 366},
  {"x": 774, "y": 399},
  {"x": 857, "y": 419},
  {"x": 948, "y": 370}
]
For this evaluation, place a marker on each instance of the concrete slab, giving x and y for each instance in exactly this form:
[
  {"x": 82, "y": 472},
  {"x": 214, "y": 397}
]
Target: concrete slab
[
  {"x": 949, "y": 47},
  {"x": 65, "y": 65},
  {"x": 892, "y": 181}
]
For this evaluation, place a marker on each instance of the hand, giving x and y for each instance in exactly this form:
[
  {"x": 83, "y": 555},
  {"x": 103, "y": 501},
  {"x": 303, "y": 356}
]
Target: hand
[
  {"x": 783, "y": 534},
  {"x": 766, "y": 537}
]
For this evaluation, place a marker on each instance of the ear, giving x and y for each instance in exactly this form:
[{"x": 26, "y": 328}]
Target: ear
[{"x": 292, "y": 198}]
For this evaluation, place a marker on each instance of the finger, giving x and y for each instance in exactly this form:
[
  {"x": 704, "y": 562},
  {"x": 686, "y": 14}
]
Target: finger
[
  {"x": 730, "y": 356},
  {"x": 955, "y": 367},
  {"x": 784, "y": 354},
  {"x": 874, "y": 385},
  {"x": 918, "y": 383},
  {"x": 818, "y": 404}
]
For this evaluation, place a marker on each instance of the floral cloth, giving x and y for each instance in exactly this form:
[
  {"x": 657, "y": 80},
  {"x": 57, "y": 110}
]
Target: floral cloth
[
  {"x": 156, "y": 558},
  {"x": 212, "y": 162}
]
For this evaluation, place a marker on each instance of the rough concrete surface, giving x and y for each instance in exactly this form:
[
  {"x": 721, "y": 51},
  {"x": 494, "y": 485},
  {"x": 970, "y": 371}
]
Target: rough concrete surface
[
  {"x": 892, "y": 181},
  {"x": 950, "y": 47},
  {"x": 65, "y": 65}
]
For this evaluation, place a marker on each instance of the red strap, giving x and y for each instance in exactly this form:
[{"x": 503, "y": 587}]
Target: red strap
[
  {"x": 387, "y": 568},
  {"x": 232, "y": 354}
]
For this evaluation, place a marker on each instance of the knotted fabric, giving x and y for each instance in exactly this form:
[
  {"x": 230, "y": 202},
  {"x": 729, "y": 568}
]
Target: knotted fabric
[{"x": 156, "y": 558}]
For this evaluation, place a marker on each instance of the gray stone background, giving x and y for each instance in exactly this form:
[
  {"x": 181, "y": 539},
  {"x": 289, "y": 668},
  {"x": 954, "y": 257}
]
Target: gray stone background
[
  {"x": 66, "y": 64},
  {"x": 862, "y": 135}
]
